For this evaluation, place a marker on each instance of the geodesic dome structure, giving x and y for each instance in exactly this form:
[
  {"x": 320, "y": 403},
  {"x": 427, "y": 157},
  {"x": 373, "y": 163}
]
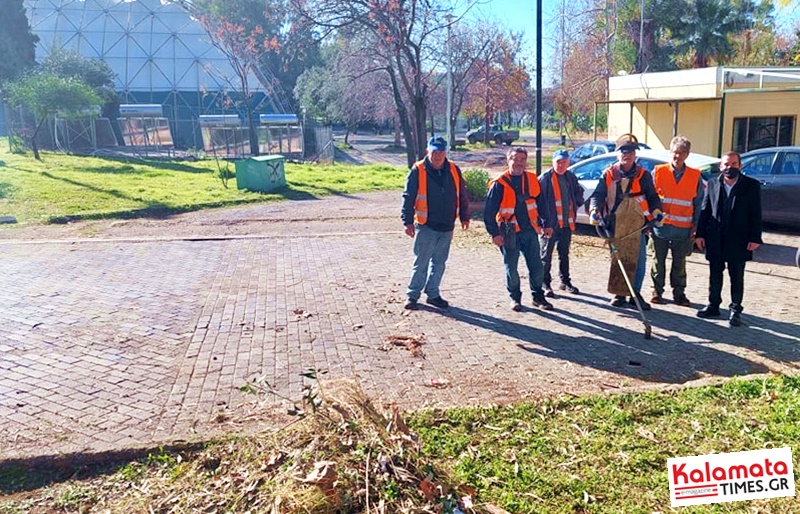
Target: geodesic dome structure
[{"x": 159, "y": 53}]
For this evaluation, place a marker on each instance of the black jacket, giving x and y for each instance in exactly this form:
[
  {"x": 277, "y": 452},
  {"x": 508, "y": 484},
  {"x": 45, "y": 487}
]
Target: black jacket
[
  {"x": 547, "y": 198},
  {"x": 726, "y": 237},
  {"x": 441, "y": 197}
]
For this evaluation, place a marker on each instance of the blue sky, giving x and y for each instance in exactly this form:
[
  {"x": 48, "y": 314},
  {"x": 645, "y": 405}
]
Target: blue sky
[{"x": 520, "y": 15}]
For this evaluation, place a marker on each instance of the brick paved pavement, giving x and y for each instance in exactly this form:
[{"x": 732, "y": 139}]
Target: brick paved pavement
[{"x": 110, "y": 343}]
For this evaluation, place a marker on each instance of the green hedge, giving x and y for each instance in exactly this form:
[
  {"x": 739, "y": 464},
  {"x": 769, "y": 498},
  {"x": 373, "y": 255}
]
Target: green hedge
[{"x": 477, "y": 182}]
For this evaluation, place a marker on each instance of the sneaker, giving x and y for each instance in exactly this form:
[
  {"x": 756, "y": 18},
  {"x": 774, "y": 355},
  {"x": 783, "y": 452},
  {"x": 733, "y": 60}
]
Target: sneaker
[
  {"x": 438, "y": 302},
  {"x": 568, "y": 287},
  {"x": 618, "y": 301},
  {"x": 735, "y": 320},
  {"x": 683, "y": 301},
  {"x": 709, "y": 311},
  {"x": 644, "y": 304},
  {"x": 657, "y": 299},
  {"x": 516, "y": 306},
  {"x": 542, "y": 303},
  {"x": 548, "y": 292},
  {"x": 411, "y": 304}
]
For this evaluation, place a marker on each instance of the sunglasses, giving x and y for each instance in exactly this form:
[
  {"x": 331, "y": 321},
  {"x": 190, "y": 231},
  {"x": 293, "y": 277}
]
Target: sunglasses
[{"x": 627, "y": 150}]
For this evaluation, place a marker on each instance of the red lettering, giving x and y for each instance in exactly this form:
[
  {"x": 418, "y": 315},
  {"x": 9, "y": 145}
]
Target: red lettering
[
  {"x": 740, "y": 471},
  {"x": 719, "y": 474},
  {"x": 677, "y": 472},
  {"x": 697, "y": 476},
  {"x": 756, "y": 470},
  {"x": 769, "y": 467},
  {"x": 784, "y": 470}
]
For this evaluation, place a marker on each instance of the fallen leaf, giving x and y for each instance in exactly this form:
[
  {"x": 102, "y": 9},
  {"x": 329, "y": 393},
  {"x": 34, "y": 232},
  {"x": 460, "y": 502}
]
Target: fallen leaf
[
  {"x": 438, "y": 382},
  {"x": 428, "y": 488}
]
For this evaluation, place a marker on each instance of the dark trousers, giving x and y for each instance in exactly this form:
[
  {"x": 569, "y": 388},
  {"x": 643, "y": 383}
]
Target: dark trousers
[
  {"x": 528, "y": 246},
  {"x": 736, "y": 274},
  {"x": 677, "y": 274},
  {"x": 560, "y": 240}
]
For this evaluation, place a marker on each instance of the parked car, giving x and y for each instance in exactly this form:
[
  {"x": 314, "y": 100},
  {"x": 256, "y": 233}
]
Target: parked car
[
  {"x": 778, "y": 170},
  {"x": 496, "y": 134},
  {"x": 589, "y": 171},
  {"x": 594, "y": 148}
]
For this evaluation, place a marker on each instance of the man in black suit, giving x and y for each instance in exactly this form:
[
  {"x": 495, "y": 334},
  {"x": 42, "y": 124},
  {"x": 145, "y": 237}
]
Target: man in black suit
[{"x": 729, "y": 230}]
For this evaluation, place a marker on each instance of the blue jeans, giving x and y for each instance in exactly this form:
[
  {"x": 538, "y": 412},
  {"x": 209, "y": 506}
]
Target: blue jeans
[
  {"x": 431, "y": 249},
  {"x": 528, "y": 246}
]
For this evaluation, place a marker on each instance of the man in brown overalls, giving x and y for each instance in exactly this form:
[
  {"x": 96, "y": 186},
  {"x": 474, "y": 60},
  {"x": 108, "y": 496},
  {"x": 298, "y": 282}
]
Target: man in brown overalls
[{"x": 625, "y": 200}]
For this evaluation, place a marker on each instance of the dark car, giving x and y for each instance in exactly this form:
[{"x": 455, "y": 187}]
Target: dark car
[
  {"x": 778, "y": 170},
  {"x": 594, "y": 148}
]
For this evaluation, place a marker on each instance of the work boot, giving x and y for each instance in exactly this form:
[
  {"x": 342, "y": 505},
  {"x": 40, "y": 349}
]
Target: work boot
[
  {"x": 516, "y": 306},
  {"x": 411, "y": 304},
  {"x": 439, "y": 302},
  {"x": 709, "y": 311},
  {"x": 548, "y": 291},
  {"x": 682, "y": 300},
  {"x": 541, "y": 302},
  {"x": 644, "y": 304},
  {"x": 657, "y": 299},
  {"x": 618, "y": 301},
  {"x": 568, "y": 287},
  {"x": 734, "y": 319}
]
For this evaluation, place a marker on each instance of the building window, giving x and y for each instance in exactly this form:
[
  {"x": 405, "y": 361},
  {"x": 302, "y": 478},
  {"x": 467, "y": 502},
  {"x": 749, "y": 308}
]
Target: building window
[{"x": 753, "y": 133}]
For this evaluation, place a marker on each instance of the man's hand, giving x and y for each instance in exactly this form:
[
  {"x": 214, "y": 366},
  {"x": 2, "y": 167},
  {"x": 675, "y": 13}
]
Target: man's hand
[
  {"x": 548, "y": 232},
  {"x": 594, "y": 217},
  {"x": 751, "y": 247},
  {"x": 498, "y": 240},
  {"x": 465, "y": 225},
  {"x": 700, "y": 242},
  {"x": 410, "y": 230},
  {"x": 658, "y": 217}
]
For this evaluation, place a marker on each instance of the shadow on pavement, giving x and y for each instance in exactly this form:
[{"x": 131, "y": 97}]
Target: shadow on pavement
[
  {"x": 613, "y": 348},
  {"x": 774, "y": 340},
  {"x": 18, "y": 475}
]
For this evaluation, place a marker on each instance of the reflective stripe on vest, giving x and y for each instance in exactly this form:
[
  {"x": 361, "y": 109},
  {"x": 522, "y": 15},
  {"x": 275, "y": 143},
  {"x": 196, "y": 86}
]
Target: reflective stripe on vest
[
  {"x": 559, "y": 207},
  {"x": 508, "y": 203},
  {"x": 421, "y": 201},
  {"x": 676, "y": 197},
  {"x": 635, "y": 191}
]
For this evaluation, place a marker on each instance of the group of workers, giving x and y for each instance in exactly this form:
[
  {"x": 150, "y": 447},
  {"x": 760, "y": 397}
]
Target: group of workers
[{"x": 673, "y": 210}]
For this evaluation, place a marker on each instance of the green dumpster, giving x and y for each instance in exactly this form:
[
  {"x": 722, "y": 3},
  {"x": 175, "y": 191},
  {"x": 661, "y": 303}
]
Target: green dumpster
[{"x": 263, "y": 173}]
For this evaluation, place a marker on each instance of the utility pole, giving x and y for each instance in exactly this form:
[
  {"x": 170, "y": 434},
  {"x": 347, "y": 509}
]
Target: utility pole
[
  {"x": 640, "y": 60},
  {"x": 538, "y": 86},
  {"x": 451, "y": 144},
  {"x": 563, "y": 61}
]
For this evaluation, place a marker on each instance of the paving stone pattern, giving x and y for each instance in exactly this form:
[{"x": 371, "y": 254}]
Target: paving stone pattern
[{"x": 110, "y": 344}]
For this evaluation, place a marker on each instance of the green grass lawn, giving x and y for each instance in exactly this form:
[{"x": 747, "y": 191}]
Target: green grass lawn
[
  {"x": 592, "y": 454},
  {"x": 66, "y": 187}
]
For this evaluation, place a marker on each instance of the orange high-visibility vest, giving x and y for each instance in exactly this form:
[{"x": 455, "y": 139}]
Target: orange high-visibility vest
[
  {"x": 559, "y": 207},
  {"x": 676, "y": 197},
  {"x": 635, "y": 190},
  {"x": 530, "y": 190},
  {"x": 421, "y": 201}
]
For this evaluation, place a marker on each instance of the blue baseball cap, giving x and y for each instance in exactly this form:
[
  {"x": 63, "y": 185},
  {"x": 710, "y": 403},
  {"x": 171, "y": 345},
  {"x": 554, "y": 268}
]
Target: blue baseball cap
[
  {"x": 560, "y": 154},
  {"x": 437, "y": 144}
]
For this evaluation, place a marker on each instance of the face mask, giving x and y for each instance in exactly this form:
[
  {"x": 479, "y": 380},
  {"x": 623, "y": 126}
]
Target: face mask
[{"x": 731, "y": 172}]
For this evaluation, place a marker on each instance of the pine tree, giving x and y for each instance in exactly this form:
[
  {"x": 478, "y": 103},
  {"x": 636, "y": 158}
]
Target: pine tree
[{"x": 17, "y": 42}]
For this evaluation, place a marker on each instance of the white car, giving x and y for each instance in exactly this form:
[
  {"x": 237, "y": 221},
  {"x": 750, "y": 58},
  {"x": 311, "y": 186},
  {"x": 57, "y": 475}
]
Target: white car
[{"x": 589, "y": 171}]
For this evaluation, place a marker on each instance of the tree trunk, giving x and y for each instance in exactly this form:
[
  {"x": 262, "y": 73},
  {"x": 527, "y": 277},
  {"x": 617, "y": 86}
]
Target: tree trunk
[
  {"x": 402, "y": 115},
  {"x": 397, "y": 135},
  {"x": 251, "y": 128},
  {"x": 34, "y": 144}
]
